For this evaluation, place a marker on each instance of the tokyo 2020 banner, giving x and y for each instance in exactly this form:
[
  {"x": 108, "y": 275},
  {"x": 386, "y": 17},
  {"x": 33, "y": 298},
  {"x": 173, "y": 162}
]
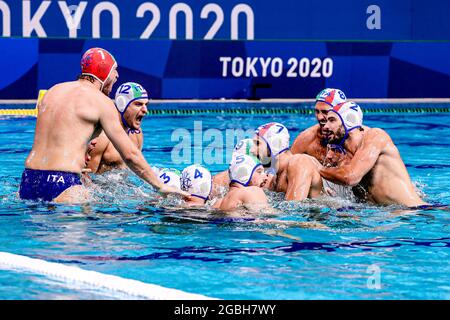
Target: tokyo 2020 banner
[{"x": 233, "y": 49}]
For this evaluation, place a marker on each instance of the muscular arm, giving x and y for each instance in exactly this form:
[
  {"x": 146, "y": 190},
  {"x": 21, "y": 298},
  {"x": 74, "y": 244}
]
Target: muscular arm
[
  {"x": 363, "y": 160},
  {"x": 300, "y": 174},
  {"x": 303, "y": 140},
  {"x": 128, "y": 151}
]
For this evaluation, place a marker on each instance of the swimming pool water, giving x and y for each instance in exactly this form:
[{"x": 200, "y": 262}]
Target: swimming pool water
[{"x": 126, "y": 232}]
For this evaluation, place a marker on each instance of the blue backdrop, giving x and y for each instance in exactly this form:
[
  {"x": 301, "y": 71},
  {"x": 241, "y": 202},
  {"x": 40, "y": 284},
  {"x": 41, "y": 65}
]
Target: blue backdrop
[{"x": 233, "y": 49}]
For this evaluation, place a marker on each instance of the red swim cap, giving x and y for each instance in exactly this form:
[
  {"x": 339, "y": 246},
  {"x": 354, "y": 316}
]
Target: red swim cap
[{"x": 97, "y": 62}]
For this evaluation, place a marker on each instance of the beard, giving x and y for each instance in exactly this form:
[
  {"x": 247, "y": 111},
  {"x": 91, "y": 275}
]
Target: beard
[
  {"x": 335, "y": 138},
  {"x": 107, "y": 87},
  {"x": 269, "y": 182}
]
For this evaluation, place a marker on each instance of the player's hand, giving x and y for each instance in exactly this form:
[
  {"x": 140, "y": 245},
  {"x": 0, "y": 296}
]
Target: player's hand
[{"x": 171, "y": 190}]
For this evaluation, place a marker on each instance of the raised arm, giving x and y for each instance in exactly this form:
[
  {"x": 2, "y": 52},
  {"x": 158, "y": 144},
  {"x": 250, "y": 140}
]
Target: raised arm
[
  {"x": 128, "y": 151},
  {"x": 300, "y": 172},
  {"x": 362, "y": 162}
]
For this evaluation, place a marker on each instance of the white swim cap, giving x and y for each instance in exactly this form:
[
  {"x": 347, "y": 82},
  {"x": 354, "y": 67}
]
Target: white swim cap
[
  {"x": 331, "y": 96},
  {"x": 242, "y": 168},
  {"x": 276, "y": 136},
  {"x": 197, "y": 180},
  {"x": 170, "y": 177},
  {"x": 350, "y": 114},
  {"x": 127, "y": 93},
  {"x": 243, "y": 147},
  {"x": 156, "y": 170}
]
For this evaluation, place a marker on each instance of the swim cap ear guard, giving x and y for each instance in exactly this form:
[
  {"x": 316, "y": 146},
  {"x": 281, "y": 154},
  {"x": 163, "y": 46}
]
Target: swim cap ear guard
[
  {"x": 121, "y": 102},
  {"x": 197, "y": 180},
  {"x": 242, "y": 168},
  {"x": 351, "y": 117},
  {"x": 125, "y": 95}
]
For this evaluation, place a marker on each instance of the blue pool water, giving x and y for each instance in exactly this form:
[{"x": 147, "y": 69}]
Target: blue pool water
[{"x": 126, "y": 232}]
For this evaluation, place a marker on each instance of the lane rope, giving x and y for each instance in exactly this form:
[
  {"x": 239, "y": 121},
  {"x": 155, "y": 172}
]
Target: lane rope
[
  {"x": 113, "y": 284},
  {"x": 248, "y": 110},
  {"x": 269, "y": 106}
]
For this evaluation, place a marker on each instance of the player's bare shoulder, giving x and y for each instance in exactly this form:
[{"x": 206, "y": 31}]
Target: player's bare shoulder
[
  {"x": 304, "y": 139},
  {"x": 376, "y": 136},
  {"x": 251, "y": 193},
  {"x": 58, "y": 91},
  {"x": 253, "y": 189},
  {"x": 60, "y": 98},
  {"x": 298, "y": 161},
  {"x": 310, "y": 134},
  {"x": 100, "y": 99}
]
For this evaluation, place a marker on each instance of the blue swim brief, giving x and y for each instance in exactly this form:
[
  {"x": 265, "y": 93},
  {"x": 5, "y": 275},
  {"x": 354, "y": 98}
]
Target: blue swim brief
[
  {"x": 429, "y": 206},
  {"x": 231, "y": 220},
  {"x": 46, "y": 185}
]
